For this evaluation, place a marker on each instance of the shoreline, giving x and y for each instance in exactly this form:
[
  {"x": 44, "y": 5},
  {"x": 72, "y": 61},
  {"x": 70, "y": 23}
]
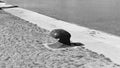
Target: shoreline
[{"x": 77, "y": 12}]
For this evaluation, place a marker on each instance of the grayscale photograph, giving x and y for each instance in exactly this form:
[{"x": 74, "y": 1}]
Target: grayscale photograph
[{"x": 59, "y": 33}]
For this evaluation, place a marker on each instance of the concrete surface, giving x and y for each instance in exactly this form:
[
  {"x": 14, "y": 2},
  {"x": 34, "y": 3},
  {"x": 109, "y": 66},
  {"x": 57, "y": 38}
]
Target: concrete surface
[
  {"x": 94, "y": 40},
  {"x": 103, "y": 15}
]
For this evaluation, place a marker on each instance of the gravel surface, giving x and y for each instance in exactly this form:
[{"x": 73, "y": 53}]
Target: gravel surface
[{"x": 21, "y": 46}]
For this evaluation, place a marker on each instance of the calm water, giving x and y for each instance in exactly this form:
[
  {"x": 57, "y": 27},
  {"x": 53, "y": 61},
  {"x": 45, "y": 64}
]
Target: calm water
[{"x": 102, "y": 15}]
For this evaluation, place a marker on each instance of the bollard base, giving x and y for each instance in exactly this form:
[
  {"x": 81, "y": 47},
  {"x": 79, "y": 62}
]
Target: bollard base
[{"x": 58, "y": 45}]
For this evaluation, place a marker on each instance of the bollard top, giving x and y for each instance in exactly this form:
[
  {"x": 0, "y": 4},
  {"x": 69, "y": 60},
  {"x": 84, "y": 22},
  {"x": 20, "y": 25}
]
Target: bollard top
[{"x": 60, "y": 33}]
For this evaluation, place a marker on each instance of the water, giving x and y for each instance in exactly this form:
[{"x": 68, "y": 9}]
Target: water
[{"x": 102, "y": 15}]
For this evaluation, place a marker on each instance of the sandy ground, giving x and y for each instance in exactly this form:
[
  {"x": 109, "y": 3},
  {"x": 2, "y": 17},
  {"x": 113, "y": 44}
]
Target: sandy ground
[{"x": 21, "y": 47}]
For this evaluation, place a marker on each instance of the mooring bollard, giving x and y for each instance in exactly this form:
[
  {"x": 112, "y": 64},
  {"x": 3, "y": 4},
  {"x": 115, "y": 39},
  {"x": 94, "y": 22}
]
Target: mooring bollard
[{"x": 62, "y": 35}]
